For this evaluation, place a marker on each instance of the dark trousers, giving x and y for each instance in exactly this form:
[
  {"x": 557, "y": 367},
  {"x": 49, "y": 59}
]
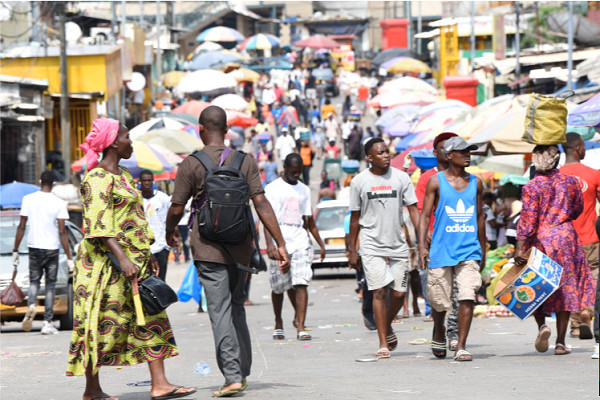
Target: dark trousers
[
  {"x": 224, "y": 289},
  {"x": 184, "y": 232},
  {"x": 43, "y": 261},
  {"x": 306, "y": 174},
  {"x": 163, "y": 260}
]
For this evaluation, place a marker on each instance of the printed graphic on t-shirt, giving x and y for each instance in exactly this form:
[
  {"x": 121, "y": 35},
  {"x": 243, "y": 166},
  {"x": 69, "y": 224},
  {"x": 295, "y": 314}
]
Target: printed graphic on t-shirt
[
  {"x": 291, "y": 213},
  {"x": 582, "y": 183},
  {"x": 381, "y": 192},
  {"x": 460, "y": 215}
]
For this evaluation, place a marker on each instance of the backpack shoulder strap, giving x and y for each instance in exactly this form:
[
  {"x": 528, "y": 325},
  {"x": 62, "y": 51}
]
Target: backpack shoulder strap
[
  {"x": 205, "y": 160},
  {"x": 238, "y": 160}
]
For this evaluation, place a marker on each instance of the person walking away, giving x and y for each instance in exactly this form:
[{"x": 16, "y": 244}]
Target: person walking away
[
  {"x": 156, "y": 205},
  {"x": 285, "y": 144},
  {"x": 291, "y": 203},
  {"x": 327, "y": 109},
  {"x": 310, "y": 89},
  {"x": 377, "y": 196},
  {"x": 270, "y": 167},
  {"x": 589, "y": 179},
  {"x": 346, "y": 128},
  {"x": 457, "y": 244},
  {"x": 354, "y": 143},
  {"x": 222, "y": 280},
  {"x": 318, "y": 134},
  {"x": 346, "y": 106},
  {"x": 307, "y": 154},
  {"x": 363, "y": 96},
  {"x": 551, "y": 201},
  {"x": 268, "y": 96},
  {"x": 442, "y": 165},
  {"x": 45, "y": 214},
  {"x": 105, "y": 332}
]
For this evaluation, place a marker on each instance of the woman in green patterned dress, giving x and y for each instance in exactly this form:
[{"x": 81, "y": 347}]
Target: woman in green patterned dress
[{"x": 105, "y": 332}]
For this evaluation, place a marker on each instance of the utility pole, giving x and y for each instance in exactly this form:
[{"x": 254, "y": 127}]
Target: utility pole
[
  {"x": 570, "y": 59},
  {"x": 518, "y": 44},
  {"x": 472, "y": 36},
  {"x": 123, "y": 49},
  {"x": 142, "y": 14},
  {"x": 419, "y": 28},
  {"x": 158, "y": 50},
  {"x": 410, "y": 26},
  {"x": 35, "y": 17},
  {"x": 65, "y": 131}
]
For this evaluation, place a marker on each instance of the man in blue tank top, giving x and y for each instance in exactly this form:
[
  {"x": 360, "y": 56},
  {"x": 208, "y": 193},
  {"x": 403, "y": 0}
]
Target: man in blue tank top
[{"x": 457, "y": 244}]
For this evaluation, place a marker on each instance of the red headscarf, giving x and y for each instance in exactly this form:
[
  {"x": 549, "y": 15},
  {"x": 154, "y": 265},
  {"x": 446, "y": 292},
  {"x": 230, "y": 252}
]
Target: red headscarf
[{"x": 103, "y": 134}]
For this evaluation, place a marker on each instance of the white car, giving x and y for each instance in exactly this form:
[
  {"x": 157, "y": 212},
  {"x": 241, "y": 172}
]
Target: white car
[{"x": 329, "y": 217}]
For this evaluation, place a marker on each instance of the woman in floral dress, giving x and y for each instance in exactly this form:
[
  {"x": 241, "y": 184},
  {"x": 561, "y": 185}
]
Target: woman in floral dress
[
  {"x": 551, "y": 201},
  {"x": 105, "y": 332}
]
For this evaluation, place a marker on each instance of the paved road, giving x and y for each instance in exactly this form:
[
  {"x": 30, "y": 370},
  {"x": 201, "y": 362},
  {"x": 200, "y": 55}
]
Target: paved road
[{"x": 505, "y": 364}]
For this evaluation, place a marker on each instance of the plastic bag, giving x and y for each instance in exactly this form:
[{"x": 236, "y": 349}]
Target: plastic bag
[
  {"x": 190, "y": 286},
  {"x": 12, "y": 295},
  {"x": 546, "y": 119}
]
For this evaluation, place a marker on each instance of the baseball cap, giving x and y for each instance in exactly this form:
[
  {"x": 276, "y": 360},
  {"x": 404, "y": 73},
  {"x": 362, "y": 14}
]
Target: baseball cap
[
  {"x": 443, "y": 136},
  {"x": 457, "y": 143},
  {"x": 284, "y": 129}
]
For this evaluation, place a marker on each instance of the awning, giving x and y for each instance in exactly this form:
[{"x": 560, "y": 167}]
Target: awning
[{"x": 341, "y": 27}]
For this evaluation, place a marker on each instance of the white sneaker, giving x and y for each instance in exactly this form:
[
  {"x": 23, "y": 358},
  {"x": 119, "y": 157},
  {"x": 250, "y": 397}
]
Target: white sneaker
[
  {"x": 595, "y": 353},
  {"x": 49, "y": 329},
  {"x": 29, "y": 317}
]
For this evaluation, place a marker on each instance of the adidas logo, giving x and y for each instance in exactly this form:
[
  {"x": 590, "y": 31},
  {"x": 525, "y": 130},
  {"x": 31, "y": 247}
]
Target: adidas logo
[{"x": 460, "y": 214}]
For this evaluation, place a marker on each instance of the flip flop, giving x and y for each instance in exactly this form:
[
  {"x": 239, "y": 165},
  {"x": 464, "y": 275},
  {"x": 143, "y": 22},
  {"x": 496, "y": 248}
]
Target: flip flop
[
  {"x": 229, "y": 393},
  {"x": 392, "y": 341},
  {"x": 561, "y": 350},
  {"x": 585, "y": 332},
  {"x": 303, "y": 335},
  {"x": 383, "y": 352},
  {"x": 174, "y": 394},
  {"x": 439, "y": 347},
  {"x": 278, "y": 334},
  {"x": 541, "y": 342},
  {"x": 244, "y": 384},
  {"x": 463, "y": 355},
  {"x": 453, "y": 344}
]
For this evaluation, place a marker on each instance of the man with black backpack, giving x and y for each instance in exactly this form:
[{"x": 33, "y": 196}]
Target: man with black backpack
[{"x": 221, "y": 183}]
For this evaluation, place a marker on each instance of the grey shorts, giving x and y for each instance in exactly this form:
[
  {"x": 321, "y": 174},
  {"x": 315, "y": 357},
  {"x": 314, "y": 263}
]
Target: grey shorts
[
  {"x": 300, "y": 272},
  {"x": 382, "y": 271}
]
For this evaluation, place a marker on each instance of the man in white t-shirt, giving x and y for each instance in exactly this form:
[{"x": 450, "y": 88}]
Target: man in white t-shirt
[
  {"x": 156, "y": 206},
  {"x": 377, "y": 198},
  {"x": 285, "y": 144},
  {"x": 290, "y": 200},
  {"x": 45, "y": 214}
]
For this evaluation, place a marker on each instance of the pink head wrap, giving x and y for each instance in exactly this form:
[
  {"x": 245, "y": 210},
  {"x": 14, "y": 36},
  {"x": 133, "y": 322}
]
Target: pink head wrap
[{"x": 103, "y": 134}]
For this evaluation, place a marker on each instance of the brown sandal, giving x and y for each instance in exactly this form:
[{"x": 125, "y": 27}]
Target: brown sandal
[{"x": 561, "y": 350}]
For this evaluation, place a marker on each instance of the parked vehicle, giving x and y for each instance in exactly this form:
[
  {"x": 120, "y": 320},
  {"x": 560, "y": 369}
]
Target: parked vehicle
[
  {"x": 63, "y": 305},
  {"x": 266, "y": 64},
  {"x": 329, "y": 217},
  {"x": 326, "y": 75}
]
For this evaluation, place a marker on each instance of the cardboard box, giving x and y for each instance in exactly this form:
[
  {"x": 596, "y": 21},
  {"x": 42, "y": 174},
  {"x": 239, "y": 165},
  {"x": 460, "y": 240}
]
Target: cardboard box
[{"x": 523, "y": 289}]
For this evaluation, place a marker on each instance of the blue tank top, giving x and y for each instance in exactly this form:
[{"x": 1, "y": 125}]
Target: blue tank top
[{"x": 455, "y": 237}]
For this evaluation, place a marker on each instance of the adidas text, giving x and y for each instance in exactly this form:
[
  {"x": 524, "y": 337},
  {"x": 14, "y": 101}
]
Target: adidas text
[{"x": 460, "y": 228}]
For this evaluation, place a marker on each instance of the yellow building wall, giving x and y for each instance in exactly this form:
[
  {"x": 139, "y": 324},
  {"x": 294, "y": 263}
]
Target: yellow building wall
[{"x": 85, "y": 74}]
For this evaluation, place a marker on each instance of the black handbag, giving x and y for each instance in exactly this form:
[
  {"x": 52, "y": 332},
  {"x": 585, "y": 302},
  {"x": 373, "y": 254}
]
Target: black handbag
[
  {"x": 257, "y": 262},
  {"x": 155, "y": 293}
]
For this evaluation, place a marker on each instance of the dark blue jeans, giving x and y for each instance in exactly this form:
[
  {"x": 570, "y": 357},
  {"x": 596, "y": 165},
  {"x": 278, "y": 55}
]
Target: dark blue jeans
[
  {"x": 183, "y": 234},
  {"x": 42, "y": 261}
]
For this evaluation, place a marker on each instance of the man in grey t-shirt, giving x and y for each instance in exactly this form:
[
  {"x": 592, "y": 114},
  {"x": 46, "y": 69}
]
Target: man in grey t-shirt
[{"x": 377, "y": 196}]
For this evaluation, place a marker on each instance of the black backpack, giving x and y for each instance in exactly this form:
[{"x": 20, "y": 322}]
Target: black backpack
[{"x": 223, "y": 210}]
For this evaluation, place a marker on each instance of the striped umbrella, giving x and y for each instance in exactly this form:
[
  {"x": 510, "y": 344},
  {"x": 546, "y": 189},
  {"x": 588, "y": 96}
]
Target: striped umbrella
[
  {"x": 262, "y": 41},
  {"x": 220, "y": 34}
]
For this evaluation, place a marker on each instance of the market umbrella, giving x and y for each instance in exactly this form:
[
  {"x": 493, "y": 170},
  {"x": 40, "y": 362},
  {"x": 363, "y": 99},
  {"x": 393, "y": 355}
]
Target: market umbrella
[
  {"x": 509, "y": 163},
  {"x": 408, "y": 83},
  {"x": 231, "y": 102},
  {"x": 586, "y": 114},
  {"x": 261, "y": 41},
  {"x": 194, "y": 107},
  {"x": 172, "y": 78},
  {"x": 400, "y": 127},
  {"x": 220, "y": 34},
  {"x": 317, "y": 42},
  {"x": 407, "y": 111},
  {"x": 172, "y": 158},
  {"x": 210, "y": 58},
  {"x": 205, "y": 81},
  {"x": 207, "y": 46},
  {"x": 171, "y": 122},
  {"x": 401, "y": 97},
  {"x": 11, "y": 194},
  {"x": 180, "y": 142},
  {"x": 394, "y": 52},
  {"x": 240, "y": 119},
  {"x": 405, "y": 65},
  {"x": 244, "y": 74},
  {"x": 434, "y": 116}
]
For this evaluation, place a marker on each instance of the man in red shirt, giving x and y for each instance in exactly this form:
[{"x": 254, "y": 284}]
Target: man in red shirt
[
  {"x": 363, "y": 96},
  {"x": 442, "y": 164},
  {"x": 589, "y": 179}
]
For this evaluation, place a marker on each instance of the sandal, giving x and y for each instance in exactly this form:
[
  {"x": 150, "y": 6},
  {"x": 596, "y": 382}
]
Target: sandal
[
  {"x": 438, "y": 348},
  {"x": 303, "y": 335},
  {"x": 561, "y": 350},
  {"x": 383, "y": 352},
  {"x": 278, "y": 334},
  {"x": 585, "y": 332},
  {"x": 392, "y": 341},
  {"x": 452, "y": 344},
  {"x": 541, "y": 342},
  {"x": 463, "y": 355}
]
